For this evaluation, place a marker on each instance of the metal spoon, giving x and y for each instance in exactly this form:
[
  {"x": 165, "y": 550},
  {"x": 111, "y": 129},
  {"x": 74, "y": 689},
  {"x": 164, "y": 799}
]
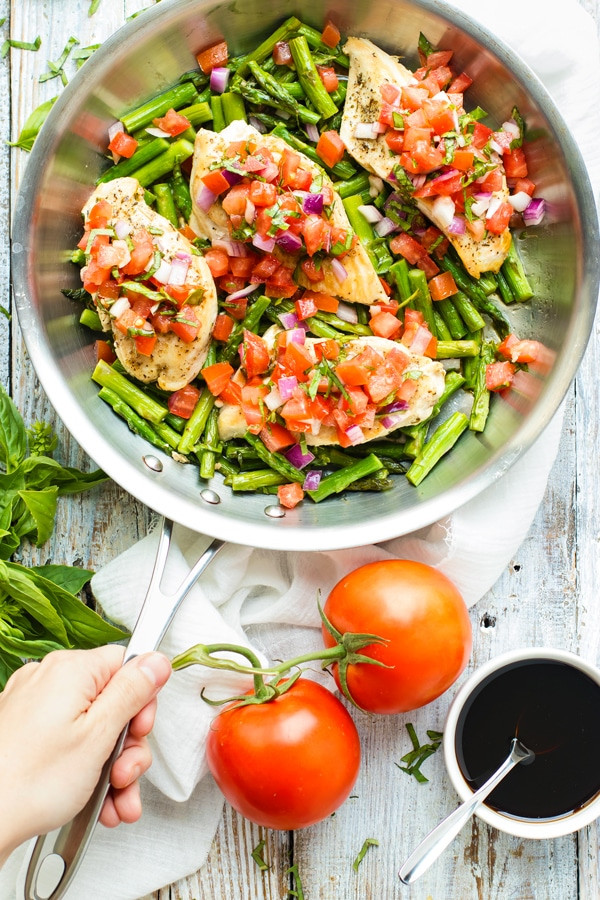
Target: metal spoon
[{"x": 443, "y": 834}]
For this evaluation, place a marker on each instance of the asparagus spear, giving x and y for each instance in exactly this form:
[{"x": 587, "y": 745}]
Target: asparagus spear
[
  {"x": 441, "y": 441},
  {"x": 233, "y": 107},
  {"x": 309, "y": 77},
  {"x": 512, "y": 269},
  {"x": 216, "y": 106},
  {"x": 165, "y": 205},
  {"x": 468, "y": 313},
  {"x": 375, "y": 247},
  {"x": 288, "y": 28},
  {"x": 442, "y": 330},
  {"x": 354, "y": 185},
  {"x": 422, "y": 301},
  {"x": 313, "y": 37},
  {"x": 197, "y": 114},
  {"x": 452, "y": 319},
  {"x": 488, "y": 282},
  {"x": 136, "y": 423},
  {"x": 343, "y": 169},
  {"x": 90, "y": 319},
  {"x": 454, "y": 349},
  {"x": 470, "y": 287},
  {"x": 250, "y": 322},
  {"x": 174, "y": 98},
  {"x": 339, "y": 481},
  {"x": 140, "y": 158},
  {"x": 252, "y": 481},
  {"x": 144, "y": 405},
  {"x": 211, "y": 439},
  {"x": 162, "y": 165},
  {"x": 275, "y": 461},
  {"x": 165, "y": 432},
  {"x": 398, "y": 274},
  {"x": 196, "y": 422},
  {"x": 181, "y": 193},
  {"x": 504, "y": 288},
  {"x": 481, "y": 395}
]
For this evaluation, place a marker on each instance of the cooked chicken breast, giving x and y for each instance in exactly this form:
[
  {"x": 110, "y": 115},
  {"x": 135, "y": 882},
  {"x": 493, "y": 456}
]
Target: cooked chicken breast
[
  {"x": 429, "y": 375},
  {"x": 361, "y": 285},
  {"x": 173, "y": 363},
  {"x": 370, "y": 68}
]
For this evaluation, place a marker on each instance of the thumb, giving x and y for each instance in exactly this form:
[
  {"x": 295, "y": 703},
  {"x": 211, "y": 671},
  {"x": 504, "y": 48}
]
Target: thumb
[{"x": 129, "y": 690}]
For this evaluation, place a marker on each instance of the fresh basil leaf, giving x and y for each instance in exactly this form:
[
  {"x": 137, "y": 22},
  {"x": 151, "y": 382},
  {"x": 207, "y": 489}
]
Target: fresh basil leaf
[
  {"x": 20, "y": 646},
  {"x": 71, "y": 481},
  {"x": 9, "y": 543},
  {"x": 86, "y": 627},
  {"x": 42, "y": 507},
  {"x": 13, "y": 437},
  {"x": 32, "y": 126},
  {"x": 21, "y": 586},
  {"x": 43, "y": 471},
  {"x": 70, "y": 578}
]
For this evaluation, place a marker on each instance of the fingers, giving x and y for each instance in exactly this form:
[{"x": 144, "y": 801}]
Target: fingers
[
  {"x": 130, "y": 689},
  {"x": 122, "y": 806},
  {"x": 131, "y": 764},
  {"x": 143, "y": 722}
]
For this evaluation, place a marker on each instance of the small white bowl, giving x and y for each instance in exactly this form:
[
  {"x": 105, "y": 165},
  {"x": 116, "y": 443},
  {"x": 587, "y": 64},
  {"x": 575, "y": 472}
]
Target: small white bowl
[{"x": 526, "y": 828}]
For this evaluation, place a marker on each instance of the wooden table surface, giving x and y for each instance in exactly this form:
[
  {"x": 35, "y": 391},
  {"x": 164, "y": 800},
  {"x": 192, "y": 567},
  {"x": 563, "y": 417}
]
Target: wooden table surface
[{"x": 546, "y": 596}]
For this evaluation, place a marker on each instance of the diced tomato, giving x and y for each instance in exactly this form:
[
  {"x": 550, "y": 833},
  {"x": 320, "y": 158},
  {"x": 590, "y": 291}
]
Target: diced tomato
[
  {"x": 289, "y": 165},
  {"x": 216, "y": 182},
  {"x": 407, "y": 389},
  {"x": 440, "y": 187},
  {"x": 517, "y": 351},
  {"x": 264, "y": 268},
  {"x": 316, "y": 233},
  {"x": 356, "y": 402},
  {"x": 330, "y": 148},
  {"x": 172, "y": 122},
  {"x": 94, "y": 275},
  {"x": 252, "y": 406},
  {"x": 330, "y": 34},
  {"x": 498, "y": 223},
  {"x": 312, "y": 269},
  {"x": 395, "y": 140},
  {"x": 408, "y": 247},
  {"x": 104, "y": 351},
  {"x": 305, "y": 307},
  {"x": 129, "y": 319},
  {"x": 140, "y": 305},
  {"x": 481, "y": 135},
  {"x": 386, "y": 114},
  {"x": 390, "y": 93},
  {"x": 213, "y": 57},
  {"x": 109, "y": 290},
  {"x": 352, "y": 373},
  {"x": 100, "y": 214},
  {"x": 237, "y": 308},
  {"x": 223, "y": 327},
  {"x": 188, "y": 232},
  {"x": 329, "y": 78},
  {"x": 290, "y": 495},
  {"x": 241, "y": 266},
  {"x": 282, "y": 55},
  {"x": 505, "y": 347},
  {"x": 413, "y": 97},
  {"x": 217, "y": 376},
  {"x": 183, "y": 401},
  {"x": 515, "y": 163},
  {"x": 262, "y": 193},
  {"x": 160, "y": 323},
  {"x": 185, "y": 324},
  {"x": 123, "y": 145},
  {"x": 423, "y": 158},
  {"x": 442, "y": 286},
  {"x": 525, "y": 185},
  {"x": 386, "y": 287},
  {"x": 327, "y": 349},
  {"x": 281, "y": 283},
  {"x": 142, "y": 253},
  {"x": 439, "y": 115},
  {"x": 230, "y": 284},
  {"x": 438, "y": 79},
  {"x": 493, "y": 181},
  {"x": 413, "y": 316},
  {"x": 275, "y": 437},
  {"x": 499, "y": 375},
  {"x": 254, "y": 354},
  {"x": 297, "y": 360},
  {"x": 463, "y": 159},
  {"x": 391, "y": 306},
  {"x": 179, "y": 292},
  {"x": 145, "y": 344},
  {"x": 231, "y": 393},
  {"x": 323, "y": 302},
  {"x": 460, "y": 84},
  {"x": 234, "y": 203},
  {"x": 383, "y": 381},
  {"x": 428, "y": 266},
  {"x": 385, "y": 325},
  {"x": 108, "y": 256},
  {"x": 217, "y": 261},
  {"x": 439, "y": 58}
]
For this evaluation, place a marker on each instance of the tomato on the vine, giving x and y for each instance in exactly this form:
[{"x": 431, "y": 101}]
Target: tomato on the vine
[
  {"x": 424, "y": 621},
  {"x": 289, "y": 762}
]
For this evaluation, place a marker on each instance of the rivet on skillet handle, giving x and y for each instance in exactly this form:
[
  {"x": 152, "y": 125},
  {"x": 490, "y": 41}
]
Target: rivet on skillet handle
[{"x": 59, "y": 853}]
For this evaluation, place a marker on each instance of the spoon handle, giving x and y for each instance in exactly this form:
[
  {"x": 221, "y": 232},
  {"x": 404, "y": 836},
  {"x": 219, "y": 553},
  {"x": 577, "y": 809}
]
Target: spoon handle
[{"x": 443, "y": 834}]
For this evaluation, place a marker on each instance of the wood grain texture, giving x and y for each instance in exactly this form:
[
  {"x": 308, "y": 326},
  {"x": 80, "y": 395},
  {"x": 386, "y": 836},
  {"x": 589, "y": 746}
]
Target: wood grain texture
[{"x": 546, "y": 596}]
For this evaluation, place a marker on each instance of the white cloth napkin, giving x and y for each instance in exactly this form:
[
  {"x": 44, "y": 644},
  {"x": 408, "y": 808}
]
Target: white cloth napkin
[{"x": 268, "y": 598}]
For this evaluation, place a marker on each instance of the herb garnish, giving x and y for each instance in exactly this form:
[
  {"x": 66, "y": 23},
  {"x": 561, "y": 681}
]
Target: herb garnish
[
  {"x": 257, "y": 856},
  {"x": 298, "y": 892},
  {"x": 370, "y": 842},
  {"x": 420, "y": 752},
  {"x": 56, "y": 69},
  {"x": 20, "y": 45}
]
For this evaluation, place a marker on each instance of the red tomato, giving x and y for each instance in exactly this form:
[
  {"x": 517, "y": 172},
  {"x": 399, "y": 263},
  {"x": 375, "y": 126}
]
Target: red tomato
[
  {"x": 172, "y": 122},
  {"x": 498, "y": 223},
  {"x": 290, "y": 495},
  {"x": 330, "y": 148},
  {"x": 212, "y": 57},
  {"x": 185, "y": 325},
  {"x": 262, "y": 193},
  {"x": 123, "y": 145},
  {"x": 424, "y": 620},
  {"x": 142, "y": 253},
  {"x": 182, "y": 402},
  {"x": 287, "y": 763},
  {"x": 254, "y": 354}
]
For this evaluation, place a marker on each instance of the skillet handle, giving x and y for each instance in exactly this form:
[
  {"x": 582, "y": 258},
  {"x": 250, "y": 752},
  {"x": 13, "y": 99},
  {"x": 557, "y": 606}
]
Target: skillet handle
[{"x": 56, "y": 856}]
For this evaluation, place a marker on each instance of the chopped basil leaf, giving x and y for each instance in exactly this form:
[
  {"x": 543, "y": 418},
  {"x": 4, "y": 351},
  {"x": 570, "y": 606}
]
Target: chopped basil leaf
[
  {"x": 420, "y": 752},
  {"x": 518, "y": 142},
  {"x": 370, "y": 842},
  {"x": 258, "y": 857},
  {"x": 20, "y": 45}
]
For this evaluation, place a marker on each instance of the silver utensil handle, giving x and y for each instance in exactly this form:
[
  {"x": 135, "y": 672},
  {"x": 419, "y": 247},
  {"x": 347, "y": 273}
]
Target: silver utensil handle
[
  {"x": 56, "y": 856},
  {"x": 443, "y": 834}
]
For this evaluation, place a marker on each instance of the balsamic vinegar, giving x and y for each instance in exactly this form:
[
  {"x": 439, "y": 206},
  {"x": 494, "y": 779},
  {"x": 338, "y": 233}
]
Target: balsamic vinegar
[{"x": 554, "y": 709}]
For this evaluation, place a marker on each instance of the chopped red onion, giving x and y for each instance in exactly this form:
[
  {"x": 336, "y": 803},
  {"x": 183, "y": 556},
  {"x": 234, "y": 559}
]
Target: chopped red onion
[
  {"x": 163, "y": 273},
  {"x": 119, "y": 307},
  {"x": 535, "y": 212},
  {"x": 264, "y": 243},
  {"x": 367, "y": 131},
  {"x": 395, "y": 406},
  {"x": 519, "y": 201},
  {"x": 122, "y": 228},
  {"x": 157, "y": 132},
  {"x": 182, "y": 254},
  {"x": 445, "y": 176},
  {"x": 179, "y": 270},
  {"x": 297, "y": 458},
  {"x": 231, "y": 248},
  {"x": 480, "y": 207},
  {"x": 219, "y": 77},
  {"x": 375, "y": 185},
  {"x": 243, "y": 292},
  {"x": 273, "y": 400},
  {"x": 287, "y": 384},
  {"x": 444, "y": 209},
  {"x": 250, "y": 212},
  {"x": 421, "y": 340},
  {"x": 384, "y": 227},
  {"x": 289, "y": 242},
  {"x": 205, "y": 198},
  {"x": 495, "y": 146},
  {"x": 339, "y": 270},
  {"x": 370, "y": 213},
  {"x": 495, "y": 204},
  {"x": 254, "y": 164},
  {"x": 257, "y": 124},
  {"x": 347, "y": 313},
  {"x": 355, "y": 434},
  {"x": 417, "y": 180},
  {"x": 312, "y": 132},
  {"x": 512, "y": 128},
  {"x": 312, "y": 480},
  {"x": 115, "y": 128},
  {"x": 232, "y": 177},
  {"x": 313, "y": 204},
  {"x": 390, "y": 422},
  {"x": 458, "y": 225},
  {"x": 483, "y": 195},
  {"x": 297, "y": 335},
  {"x": 270, "y": 172},
  {"x": 288, "y": 320}
]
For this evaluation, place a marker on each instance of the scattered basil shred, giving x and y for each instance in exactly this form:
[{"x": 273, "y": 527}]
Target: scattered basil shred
[
  {"x": 420, "y": 752},
  {"x": 296, "y": 890},
  {"x": 32, "y": 126},
  {"x": 370, "y": 842},
  {"x": 257, "y": 856},
  {"x": 20, "y": 45}
]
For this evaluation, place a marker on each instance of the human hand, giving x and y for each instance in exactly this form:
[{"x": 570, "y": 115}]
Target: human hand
[{"x": 59, "y": 721}]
